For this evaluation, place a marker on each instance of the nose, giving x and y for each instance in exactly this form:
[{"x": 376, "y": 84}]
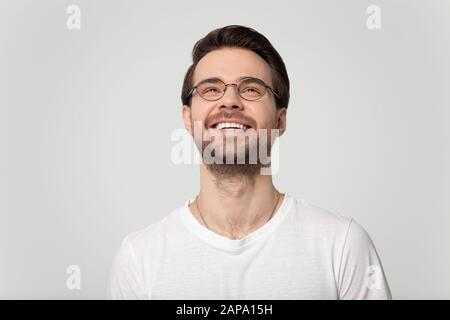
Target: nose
[{"x": 231, "y": 98}]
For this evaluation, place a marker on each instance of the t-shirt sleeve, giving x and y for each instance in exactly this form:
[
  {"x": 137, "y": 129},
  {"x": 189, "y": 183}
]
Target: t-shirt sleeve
[
  {"x": 125, "y": 280},
  {"x": 361, "y": 275}
]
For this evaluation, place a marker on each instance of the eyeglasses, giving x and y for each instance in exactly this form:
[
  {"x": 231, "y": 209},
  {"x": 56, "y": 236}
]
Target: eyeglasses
[{"x": 250, "y": 89}]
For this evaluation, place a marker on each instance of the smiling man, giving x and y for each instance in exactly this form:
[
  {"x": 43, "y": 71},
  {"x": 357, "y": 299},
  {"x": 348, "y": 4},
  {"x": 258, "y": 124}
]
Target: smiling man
[{"x": 241, "y": 238}]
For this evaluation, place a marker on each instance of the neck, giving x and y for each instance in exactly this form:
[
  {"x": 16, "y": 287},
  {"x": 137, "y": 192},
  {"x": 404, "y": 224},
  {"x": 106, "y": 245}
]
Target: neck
[{"x": 235, "y": 206}]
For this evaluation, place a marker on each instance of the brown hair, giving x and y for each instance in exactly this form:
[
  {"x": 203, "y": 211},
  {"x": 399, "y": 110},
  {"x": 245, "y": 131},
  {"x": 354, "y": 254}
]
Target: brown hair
[{"x": 240, "y": 37}]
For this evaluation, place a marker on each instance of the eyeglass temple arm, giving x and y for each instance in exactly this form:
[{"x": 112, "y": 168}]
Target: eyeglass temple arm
[
  {"x": 273, "y": 91},
  {"x": 192, "y": 91}
]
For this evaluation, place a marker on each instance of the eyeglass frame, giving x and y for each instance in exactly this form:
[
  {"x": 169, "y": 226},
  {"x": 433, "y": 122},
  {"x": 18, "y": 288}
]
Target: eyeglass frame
[{"x": 237, "y": 88}]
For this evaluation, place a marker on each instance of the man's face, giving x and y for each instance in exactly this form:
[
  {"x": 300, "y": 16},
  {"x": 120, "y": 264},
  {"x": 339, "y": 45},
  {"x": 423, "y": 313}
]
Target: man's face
[{"x": 230, "y": 65}]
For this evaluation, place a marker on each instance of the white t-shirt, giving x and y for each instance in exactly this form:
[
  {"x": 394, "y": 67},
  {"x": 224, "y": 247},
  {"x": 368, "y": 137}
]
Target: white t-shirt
[{"x": 303, "y": 252}]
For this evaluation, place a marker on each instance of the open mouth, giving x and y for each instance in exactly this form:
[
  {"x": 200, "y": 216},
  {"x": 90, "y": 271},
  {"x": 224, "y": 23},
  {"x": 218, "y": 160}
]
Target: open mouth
[{"x": 230, "y": 126}]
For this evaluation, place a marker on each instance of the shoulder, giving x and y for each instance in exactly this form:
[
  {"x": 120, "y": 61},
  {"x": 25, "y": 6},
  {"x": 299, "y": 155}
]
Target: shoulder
[
  {"x": 153, "y": 235},
  {"x": 329, "y": 228},
  {"x": 317, "y": 221}
]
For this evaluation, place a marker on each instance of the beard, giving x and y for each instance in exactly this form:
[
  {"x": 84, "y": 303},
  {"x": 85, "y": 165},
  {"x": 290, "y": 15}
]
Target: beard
[
  {"x": 229, "y": 165},
  {"x": 235, "y": 156}
]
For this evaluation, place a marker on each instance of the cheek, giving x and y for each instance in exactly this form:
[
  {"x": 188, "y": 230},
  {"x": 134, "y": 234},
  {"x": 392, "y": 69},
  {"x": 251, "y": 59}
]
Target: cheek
[
  {"x": 198, "y": 114},
  {"x": 267, "y": 121},
  {"x": 264, "y": 115}
]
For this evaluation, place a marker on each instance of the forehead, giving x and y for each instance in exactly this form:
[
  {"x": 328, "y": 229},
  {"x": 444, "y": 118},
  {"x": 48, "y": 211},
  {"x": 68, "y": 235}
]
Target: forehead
[{"x": 230, "y": 64}]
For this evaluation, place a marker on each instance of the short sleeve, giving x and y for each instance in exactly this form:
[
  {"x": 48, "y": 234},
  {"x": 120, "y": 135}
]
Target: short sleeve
[
  {"x": 361, "y": 274},
  {"x": 125, "y": 280}
]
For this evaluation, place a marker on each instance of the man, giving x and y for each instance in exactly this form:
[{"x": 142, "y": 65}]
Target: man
[{"x": 240, "y": 238}]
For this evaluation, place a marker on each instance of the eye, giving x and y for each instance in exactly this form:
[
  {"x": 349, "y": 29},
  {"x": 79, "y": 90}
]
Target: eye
[
  {"x": 251, "y": 90},
  {"x": 210, "y": 90}
]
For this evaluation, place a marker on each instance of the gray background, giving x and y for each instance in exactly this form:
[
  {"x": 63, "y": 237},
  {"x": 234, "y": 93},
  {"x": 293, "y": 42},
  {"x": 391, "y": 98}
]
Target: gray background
[{"x": 86, "y": 118}]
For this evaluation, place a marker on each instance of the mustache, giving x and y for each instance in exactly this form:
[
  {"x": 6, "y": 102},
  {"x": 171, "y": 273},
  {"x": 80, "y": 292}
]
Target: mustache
[{"x": 224, "y": 115}]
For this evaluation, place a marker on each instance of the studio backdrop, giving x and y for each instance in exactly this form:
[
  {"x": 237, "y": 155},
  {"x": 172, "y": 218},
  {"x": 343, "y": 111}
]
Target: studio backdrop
[{"x": 90, "y": 107}]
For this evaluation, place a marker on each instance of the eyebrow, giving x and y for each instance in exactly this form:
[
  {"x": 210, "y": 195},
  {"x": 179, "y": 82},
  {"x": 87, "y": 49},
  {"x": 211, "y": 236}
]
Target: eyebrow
[{"x": 216, "y": 79}]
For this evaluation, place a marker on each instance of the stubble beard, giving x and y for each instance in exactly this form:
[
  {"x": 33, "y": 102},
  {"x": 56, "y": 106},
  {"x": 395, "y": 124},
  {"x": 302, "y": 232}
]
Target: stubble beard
[{"x": 236, "y": 161}]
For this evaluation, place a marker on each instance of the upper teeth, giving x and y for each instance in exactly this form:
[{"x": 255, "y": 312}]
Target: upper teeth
[{"x": 222, "y": 125}]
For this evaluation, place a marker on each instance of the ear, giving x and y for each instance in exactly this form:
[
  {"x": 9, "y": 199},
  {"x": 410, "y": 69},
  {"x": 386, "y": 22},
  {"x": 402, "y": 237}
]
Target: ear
[
  {"x": 281, "y": 120},
  {"x": 187, "y": 118}
]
